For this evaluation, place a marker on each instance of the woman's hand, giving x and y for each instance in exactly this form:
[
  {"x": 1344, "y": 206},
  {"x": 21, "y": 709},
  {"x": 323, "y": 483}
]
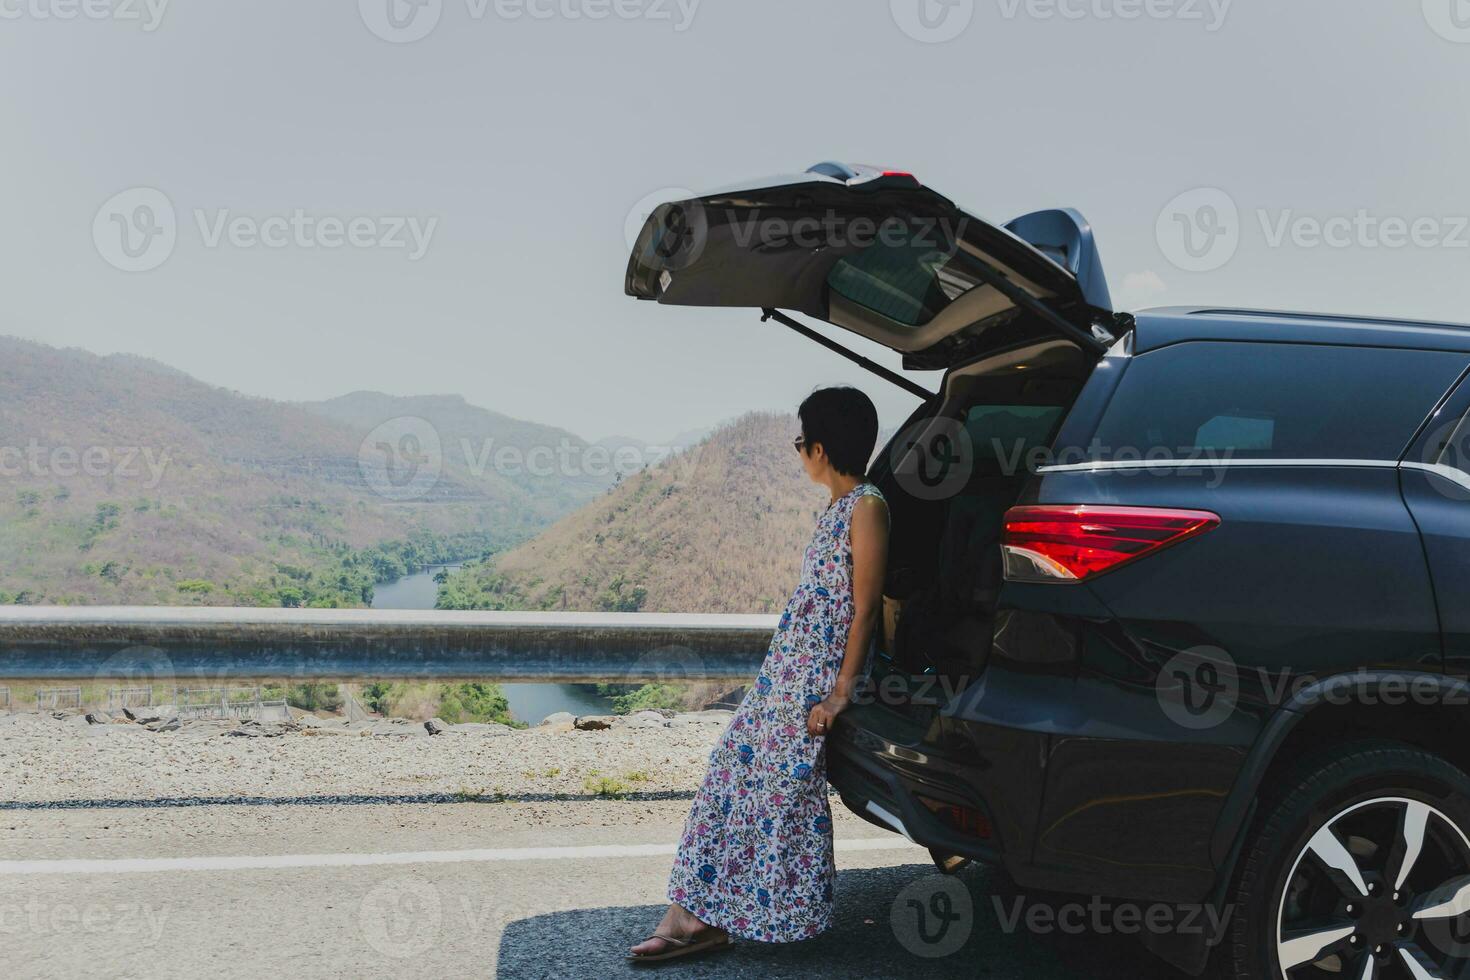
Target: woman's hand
[{"x": 824, "y": 713}]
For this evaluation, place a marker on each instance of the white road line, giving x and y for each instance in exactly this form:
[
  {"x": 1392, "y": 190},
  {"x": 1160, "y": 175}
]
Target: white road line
[{"x": 84, "y": 866}]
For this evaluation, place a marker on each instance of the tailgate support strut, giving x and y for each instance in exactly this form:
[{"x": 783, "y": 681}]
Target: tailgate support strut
[
  {"x": 1024, "y": 300},
  {"x": 894, "y": 377}
]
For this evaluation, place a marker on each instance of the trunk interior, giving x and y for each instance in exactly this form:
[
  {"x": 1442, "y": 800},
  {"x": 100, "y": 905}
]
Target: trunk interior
[{"x": 950, "y": 476}]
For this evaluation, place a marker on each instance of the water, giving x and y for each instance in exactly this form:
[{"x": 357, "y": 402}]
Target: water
[
  {"x": 414, "y": 591},
  {"x": 530, "y": 703}
]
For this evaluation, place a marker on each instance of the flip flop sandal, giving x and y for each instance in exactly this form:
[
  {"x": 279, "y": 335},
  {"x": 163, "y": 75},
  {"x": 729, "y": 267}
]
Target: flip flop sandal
[{"x": 711, "y": 939}]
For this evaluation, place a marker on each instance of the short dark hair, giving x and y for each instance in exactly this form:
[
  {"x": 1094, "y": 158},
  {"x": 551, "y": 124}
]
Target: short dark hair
[{"x": 845, "y": 422}]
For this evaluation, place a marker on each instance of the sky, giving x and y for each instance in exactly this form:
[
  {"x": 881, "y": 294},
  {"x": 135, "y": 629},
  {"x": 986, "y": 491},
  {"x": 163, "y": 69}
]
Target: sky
[{"x": 432, "y": 196}]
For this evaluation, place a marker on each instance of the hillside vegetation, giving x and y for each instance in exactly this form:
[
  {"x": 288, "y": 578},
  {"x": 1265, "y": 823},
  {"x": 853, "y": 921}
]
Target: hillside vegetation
[
  {"x": 123, "y": 480},
  {"x": 719, "y": 527},
  {"x": 549, "y": 471}
]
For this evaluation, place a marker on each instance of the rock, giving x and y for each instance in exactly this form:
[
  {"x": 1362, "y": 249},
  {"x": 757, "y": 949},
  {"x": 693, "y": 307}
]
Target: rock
[
  {"x": 308, "y": 721},
  {"x": 560, "y": 718},
  {"x": 397, "y": 726},
  {"x": 713, "y": 716},
  {"x": 643, "y": 719},
  {"x": 595, "y": 723},
  {"x": 480, "y": 728},
  {"x": 164, "y": 724},
  {"x": 112, "y": 731},
  {"x": 98, "y": 718},
  {"x": 436, "y": 726},
  {"x": 251, "y": 728},
  {"x": 147, "y": 716}
]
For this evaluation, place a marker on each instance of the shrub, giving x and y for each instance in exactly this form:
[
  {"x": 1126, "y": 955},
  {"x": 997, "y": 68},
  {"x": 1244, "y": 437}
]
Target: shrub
[
  {"x": 474, "y": 702},
  {"x": 312, "y": 696},
  {"x": 627, "y": 699}
]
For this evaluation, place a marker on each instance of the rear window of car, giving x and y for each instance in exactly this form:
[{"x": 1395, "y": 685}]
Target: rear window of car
[
  {"x": 1272, "y": 401},
  {"x": 910, "y": 283}
]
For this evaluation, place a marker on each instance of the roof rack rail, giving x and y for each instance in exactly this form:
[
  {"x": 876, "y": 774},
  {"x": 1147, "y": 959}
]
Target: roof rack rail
[{"x": 1329, "y": 317}]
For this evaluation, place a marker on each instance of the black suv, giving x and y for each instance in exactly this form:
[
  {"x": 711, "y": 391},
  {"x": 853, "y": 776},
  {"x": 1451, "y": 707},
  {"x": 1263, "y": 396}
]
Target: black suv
[{"x": 1178, "y": 605}]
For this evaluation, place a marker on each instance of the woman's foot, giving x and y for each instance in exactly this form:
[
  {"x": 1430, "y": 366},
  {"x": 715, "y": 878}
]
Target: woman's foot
[{"x": 678, "y": 923}]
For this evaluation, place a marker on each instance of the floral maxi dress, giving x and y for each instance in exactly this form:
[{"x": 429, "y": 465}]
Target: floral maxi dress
[{"x": 756, "y": 855}]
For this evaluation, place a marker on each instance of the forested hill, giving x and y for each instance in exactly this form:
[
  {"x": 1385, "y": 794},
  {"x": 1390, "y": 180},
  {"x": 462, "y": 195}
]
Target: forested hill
[
  {"x": 719, "y": 527},
  {"x": 123, "y": 480}
]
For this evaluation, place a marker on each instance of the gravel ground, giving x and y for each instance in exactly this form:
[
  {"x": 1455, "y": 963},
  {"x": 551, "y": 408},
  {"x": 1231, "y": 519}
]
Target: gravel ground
[{"x": 47, "y": 759}]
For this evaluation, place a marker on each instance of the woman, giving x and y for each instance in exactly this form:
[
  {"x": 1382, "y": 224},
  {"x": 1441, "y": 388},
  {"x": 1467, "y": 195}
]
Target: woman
[{"x": 755, "y": 860}]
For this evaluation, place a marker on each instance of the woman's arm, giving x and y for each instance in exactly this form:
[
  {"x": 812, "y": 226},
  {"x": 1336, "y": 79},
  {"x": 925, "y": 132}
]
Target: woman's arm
[{"x": 869, "y": 562}]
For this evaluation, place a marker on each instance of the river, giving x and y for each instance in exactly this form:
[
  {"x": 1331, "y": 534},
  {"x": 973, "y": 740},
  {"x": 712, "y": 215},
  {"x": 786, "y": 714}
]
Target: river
[{"x": 530, "y": 703}]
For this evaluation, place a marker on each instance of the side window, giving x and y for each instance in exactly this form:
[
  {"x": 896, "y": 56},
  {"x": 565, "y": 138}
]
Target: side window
[
  {"x": 1005, "y": 433},
  {"x": 1272, "y": 401},
  {"x": 1237, "y": 433}
]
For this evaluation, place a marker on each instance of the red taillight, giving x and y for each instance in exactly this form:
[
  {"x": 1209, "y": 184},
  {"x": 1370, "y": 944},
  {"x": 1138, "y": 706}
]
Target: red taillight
[
  {"x": 1072, "y": 543},
  {"x": 961, "y": 818}
]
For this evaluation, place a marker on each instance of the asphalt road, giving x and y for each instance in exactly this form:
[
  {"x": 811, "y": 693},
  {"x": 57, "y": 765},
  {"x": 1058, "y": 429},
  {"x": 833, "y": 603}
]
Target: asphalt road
[{"x": 521, "y": 905}]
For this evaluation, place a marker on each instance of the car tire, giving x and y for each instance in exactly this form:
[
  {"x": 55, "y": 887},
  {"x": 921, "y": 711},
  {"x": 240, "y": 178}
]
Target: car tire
[{"x": 1314, "y": 894}]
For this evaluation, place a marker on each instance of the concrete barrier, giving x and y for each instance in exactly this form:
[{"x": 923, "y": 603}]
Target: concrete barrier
[{"x": 221, "y": 643}]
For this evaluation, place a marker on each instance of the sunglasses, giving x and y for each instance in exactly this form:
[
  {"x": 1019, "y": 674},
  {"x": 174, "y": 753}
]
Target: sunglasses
[{"x": 799, "y": 443}]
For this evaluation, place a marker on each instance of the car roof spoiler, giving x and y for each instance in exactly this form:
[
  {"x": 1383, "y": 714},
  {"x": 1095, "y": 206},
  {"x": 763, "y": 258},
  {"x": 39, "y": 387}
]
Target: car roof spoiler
[{"x": 1065, "y": 237}]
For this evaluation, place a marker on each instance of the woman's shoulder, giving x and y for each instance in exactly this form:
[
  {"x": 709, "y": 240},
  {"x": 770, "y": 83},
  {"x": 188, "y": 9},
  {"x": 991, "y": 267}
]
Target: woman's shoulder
[{"x": 870, "y": 498}]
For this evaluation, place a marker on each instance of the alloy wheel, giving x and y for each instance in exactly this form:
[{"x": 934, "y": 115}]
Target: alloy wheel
[{"x": 1380, "y": 892}]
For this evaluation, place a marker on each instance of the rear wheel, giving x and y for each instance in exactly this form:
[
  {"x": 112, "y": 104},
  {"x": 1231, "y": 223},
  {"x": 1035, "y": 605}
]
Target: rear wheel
[{"x": 1359, "y": 870}]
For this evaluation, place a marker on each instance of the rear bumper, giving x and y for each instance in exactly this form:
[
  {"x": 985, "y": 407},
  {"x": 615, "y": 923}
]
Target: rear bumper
[
  {"x": 883, "y": 772},
  {"x": 1068, "y": 810}
]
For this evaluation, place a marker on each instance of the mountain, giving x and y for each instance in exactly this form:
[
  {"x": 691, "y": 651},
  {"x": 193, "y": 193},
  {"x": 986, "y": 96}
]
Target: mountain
[
  {"x": 657, "y": 450},
  {"x": 718, "y": 527},
  {"x": 556, "y": 470},
  {"x": 124, "y": 480}
]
